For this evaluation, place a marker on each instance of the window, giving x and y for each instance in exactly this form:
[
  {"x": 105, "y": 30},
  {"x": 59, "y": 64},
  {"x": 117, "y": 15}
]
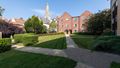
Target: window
[
  {"x": 75, "y": 19},
  {"x": 67, "y": 25},
  {"x": 75, "y": 31},
  {"x": 67, "y": 19},
  {"x": 62, "y": 25},
  {"x": 75, "y": 25}
]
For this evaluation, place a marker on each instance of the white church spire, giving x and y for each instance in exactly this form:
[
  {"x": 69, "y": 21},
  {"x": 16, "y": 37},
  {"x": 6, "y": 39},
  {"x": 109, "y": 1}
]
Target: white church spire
[{"x": 47, "y": 14}]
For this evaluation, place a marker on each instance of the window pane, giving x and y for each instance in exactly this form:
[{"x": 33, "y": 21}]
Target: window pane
[
  {"x": 75, "y": 30},
  {"x": 67, "y": 19},
  {"x": 67, "y": 25},
  {"x": 75, "y": 19},
  {"x": 75, "y": 25}
]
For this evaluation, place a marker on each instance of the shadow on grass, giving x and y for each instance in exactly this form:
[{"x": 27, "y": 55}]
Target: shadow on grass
[{"x": 59, "y": 43}]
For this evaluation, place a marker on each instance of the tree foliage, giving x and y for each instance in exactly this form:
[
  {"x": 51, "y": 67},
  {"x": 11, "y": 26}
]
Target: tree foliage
[
  {"x": 34, "y": 25},
  {"x": 8, "y": 29},
  {"x": 99, "y": 22},
  {"x": 44, "y": 29},
  {"x": 53, "y": 26}
]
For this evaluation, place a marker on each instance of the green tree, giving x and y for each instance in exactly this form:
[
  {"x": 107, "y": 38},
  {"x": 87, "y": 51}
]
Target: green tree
[
  {"x": 34, "y": 25},
  {"x": 53, "y": 26},
  {"x": 44, "y": 29},
  {"x": 28, "y": 26},
  {"x": 99, "y": 22},
  {"x": 1, "y": 10},
  {"x": 37, "y": 24}
]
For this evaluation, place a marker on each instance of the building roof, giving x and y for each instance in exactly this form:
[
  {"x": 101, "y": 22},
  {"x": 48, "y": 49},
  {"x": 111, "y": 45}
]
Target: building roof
[
  {"x": 17, "y": 21},
  {"x": 66, "y": 13},
  {"x": 86, "y": 13}
]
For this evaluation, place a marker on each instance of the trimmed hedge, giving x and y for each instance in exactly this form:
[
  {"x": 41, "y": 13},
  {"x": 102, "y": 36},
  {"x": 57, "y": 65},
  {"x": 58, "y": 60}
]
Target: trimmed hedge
[
  {"x": 84, "y": 33},
  {"x": 5, "y": 44},
  {"x": 51, "y": 34},
  {"x": 115, "y": 65},
  {"x": 26, "y": 39},
  {"x": 107, "y": 33},
  {"x": 107, "y": 44}
]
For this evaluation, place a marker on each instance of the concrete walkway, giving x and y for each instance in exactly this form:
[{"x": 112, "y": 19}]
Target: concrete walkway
[
  {"x": 92, "y": 59},
  {"x": 88, "y": 59},
  {"x": 84, "y": 57},
  {"x": 46, "y": 51},
  {"x": 70, "y": 42}
]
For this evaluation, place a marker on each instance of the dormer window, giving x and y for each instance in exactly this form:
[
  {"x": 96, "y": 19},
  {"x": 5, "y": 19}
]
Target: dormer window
[{"x": 67, "y": 19}]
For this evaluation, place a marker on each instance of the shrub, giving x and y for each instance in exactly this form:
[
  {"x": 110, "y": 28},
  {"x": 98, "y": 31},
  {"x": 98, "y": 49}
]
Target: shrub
[
  {"x": 108, "y": 44},
  {"x": 104, "y": 46},
  {"x": 5, "y": 44},
  {"x": 115, "y": 65},
  {"x": 26, "y": 39},
  {"x": 51, "y": 34},
  {"x": 108, "y": 33},
  {"x": 84, "y": 33},
  {"x": 106, "y": 38}
]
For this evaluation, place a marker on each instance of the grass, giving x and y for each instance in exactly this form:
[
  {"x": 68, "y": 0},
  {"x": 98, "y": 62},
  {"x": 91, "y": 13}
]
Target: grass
[
  {"x": 84, "y": 41},
  {"x": 17, "y": 59},
  {"x": 115, "y": 65},
  {"x": 57, "y": 41},
  {"x": 108, "y": 44}
]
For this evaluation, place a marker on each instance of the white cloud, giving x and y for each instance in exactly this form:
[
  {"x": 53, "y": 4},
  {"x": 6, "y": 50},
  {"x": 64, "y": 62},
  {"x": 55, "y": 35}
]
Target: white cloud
[{"x": 41, "y": 12}]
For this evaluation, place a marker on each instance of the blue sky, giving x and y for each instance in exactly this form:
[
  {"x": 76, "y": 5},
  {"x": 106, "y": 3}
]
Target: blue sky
[{"x": 27, "y": 8}]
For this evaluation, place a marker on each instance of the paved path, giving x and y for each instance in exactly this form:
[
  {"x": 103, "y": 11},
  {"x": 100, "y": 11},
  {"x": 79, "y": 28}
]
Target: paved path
[
  {"x": 92, "y": 59},
  {"x": 70, "y": 43},
  {"x": 88, "y": 59},
  {"x": 54, "y": 52},
  {"x": 84, "y": 57}
]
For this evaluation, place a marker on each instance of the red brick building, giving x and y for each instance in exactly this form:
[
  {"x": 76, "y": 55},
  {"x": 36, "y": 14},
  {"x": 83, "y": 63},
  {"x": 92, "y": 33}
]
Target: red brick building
[{"x": 73, "y": 24}]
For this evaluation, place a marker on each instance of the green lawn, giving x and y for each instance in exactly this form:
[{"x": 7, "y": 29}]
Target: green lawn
[
  {"x": 17, "y": 59},
  {"x": 57, "y": 41},
  {"x": 115, "y": 65},
  {"x": 84, "y": 41}
]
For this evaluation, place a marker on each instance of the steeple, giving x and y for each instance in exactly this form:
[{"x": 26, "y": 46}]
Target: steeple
[
  {"x": 47, "y": 15},
  {"x": 47, "y": 18}
]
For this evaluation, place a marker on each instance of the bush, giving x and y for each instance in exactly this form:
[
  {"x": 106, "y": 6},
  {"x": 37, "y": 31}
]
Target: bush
[
  {"x": 84, "y": 33},
  {"x": 108, "y": 33},
  {"x": 5, "y": 44},
  {"x": 115, "y": 65},
  {"x": 26, "y": 39},
  {"x": 107, "y": 44},
  {"x": 104, "y": 46},
  {"x": 51, "y": 34}
]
